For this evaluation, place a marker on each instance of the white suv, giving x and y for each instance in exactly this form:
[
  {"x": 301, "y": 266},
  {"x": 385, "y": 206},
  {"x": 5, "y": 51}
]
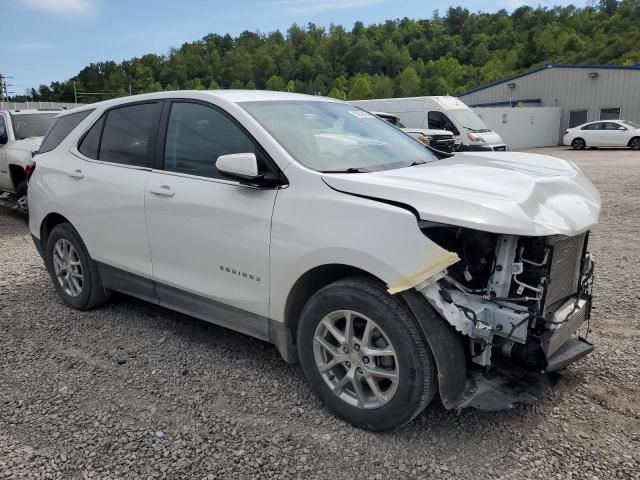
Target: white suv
[{"x": 389, "y": 273}]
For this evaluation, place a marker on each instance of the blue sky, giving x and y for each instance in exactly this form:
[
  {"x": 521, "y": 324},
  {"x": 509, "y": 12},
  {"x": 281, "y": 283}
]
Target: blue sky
[{"x": 47, "y": 40}]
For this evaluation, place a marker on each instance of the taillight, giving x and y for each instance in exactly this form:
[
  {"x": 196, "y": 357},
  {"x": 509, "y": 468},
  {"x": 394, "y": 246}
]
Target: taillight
[{"x": 29, "y": 168}]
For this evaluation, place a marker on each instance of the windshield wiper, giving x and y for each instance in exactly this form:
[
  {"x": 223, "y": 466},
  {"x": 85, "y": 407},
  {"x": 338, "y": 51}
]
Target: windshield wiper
[
  {"x": 347, "y": 170},
  {"x": 417, "y": 162}
]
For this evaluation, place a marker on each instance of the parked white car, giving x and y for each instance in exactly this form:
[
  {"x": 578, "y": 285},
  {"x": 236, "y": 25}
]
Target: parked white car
[
  {"x": 604, "y": 133},
  {"x": 391, "y": 274},
  {"x": 21, "y": 133}
]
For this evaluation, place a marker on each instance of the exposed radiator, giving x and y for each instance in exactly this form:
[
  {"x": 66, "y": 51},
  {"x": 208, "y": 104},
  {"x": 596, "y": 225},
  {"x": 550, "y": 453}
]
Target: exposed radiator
[
  {"x": 554, "y": 339},
  {"x": 564, "y": 273}
]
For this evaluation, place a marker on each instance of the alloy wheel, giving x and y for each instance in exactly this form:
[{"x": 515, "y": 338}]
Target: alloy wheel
[
  {"x": 578, "y": 144},
  {"x": 356, "y": 359},
  {"x": 22, "y": 204},
  {"x": 635, "y": 144},
  {"x": 68, "y": 267}
]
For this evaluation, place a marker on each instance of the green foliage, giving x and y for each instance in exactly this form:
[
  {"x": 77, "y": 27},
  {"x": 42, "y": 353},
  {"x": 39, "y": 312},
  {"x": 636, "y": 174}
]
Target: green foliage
[{"x": 446, "y": 54}]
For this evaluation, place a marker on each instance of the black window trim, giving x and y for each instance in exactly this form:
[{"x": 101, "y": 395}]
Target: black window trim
[
  {"x": 158, "y": 162},
  {"x": 152, "y": 137}
]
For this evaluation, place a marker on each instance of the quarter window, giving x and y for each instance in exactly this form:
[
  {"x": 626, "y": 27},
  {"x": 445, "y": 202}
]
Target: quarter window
[
  {"x": 60, "y": 128},
  {"x": 91, "y": 142},
  {"x": 197, "y": 135},
  {"x": 127, "y": 135}
]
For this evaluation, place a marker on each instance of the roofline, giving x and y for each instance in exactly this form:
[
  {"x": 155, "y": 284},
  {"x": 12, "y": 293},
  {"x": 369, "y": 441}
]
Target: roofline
[{"x": 545, "y": 67}]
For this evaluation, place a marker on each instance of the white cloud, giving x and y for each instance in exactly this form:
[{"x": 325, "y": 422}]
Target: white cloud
[
  {"x": 62, "y": 7},
  {"x": 297, "y": 7},
  {"x": 31, "y": 46}
]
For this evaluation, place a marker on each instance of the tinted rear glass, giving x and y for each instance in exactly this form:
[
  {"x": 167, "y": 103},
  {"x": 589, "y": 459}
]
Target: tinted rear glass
[{"x": 60, "y": 129}]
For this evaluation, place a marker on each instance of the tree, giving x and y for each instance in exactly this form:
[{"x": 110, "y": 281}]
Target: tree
[
  {"x": 337, "y": 93},
  {"x": 361, "y": 89},
  {"x": 409, "y": 83},
  {"x": 276, "y": 83}
]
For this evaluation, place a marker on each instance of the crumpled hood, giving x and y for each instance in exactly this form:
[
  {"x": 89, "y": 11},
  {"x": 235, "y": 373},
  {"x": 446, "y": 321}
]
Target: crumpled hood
[
  {"x": 511, "y": 193},
  {"x": 30, "y": 144}
]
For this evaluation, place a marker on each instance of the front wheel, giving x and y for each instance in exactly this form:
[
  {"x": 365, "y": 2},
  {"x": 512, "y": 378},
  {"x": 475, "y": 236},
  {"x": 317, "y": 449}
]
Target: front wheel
[
  {"x": 634, "y": 144},
  {"x": 364, "y": 356},
  {"x": 578, "y": 144}
]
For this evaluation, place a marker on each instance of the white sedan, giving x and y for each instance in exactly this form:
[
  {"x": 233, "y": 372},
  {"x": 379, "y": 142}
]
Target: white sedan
[{"x": 609, "y": 133}]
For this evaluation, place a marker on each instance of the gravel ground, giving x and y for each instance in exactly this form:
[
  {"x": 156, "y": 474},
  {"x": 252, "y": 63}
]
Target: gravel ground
[{"x": 136, "y": 391}]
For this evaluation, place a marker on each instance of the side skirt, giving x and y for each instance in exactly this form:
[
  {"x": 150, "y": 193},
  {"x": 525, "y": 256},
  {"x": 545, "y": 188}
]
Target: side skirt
[{"x": 199, "y": 307}]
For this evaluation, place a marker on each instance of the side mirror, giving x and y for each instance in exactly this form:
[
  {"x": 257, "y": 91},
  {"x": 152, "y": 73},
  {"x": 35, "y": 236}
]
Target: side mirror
[{"x": 244, "y": 167}]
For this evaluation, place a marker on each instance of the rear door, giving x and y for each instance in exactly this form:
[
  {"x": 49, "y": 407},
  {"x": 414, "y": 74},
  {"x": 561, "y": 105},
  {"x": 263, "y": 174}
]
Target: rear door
[
  {"x": 106, "y": 176},
  {"x": 592, "y": 134},
  {"x": 209, "y": 235}
]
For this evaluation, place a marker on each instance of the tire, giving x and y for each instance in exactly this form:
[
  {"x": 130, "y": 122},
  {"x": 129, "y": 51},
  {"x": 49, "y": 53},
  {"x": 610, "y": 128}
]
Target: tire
[
  {"x": 634, "y": 143},
  {"x": 392, "y": 328},
  {"x": 90, "y": 293},
  {"x": 578, "y": 144},
  {"x": 21, "y": 199}
]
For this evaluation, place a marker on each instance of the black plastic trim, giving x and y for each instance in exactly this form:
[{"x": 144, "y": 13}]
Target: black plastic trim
[{"x": 199, "y": 307}]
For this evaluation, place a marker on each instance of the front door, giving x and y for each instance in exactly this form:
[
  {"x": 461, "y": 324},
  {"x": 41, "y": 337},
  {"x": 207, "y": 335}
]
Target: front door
[
  {"x": 209, "y": 236},
  {"x": 613, "y": 135},
  {"x": 5, "y": 176}
]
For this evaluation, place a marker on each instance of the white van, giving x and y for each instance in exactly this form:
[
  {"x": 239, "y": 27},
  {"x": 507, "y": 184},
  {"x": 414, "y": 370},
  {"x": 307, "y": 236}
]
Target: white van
[{"x": 442, "y": 113}]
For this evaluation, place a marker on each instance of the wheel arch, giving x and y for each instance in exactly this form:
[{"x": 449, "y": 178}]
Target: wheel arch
[
  {"x": 48, "y": 223},
  {"x": 302, "y": 290},
  {"x": 17, "y": 175}
]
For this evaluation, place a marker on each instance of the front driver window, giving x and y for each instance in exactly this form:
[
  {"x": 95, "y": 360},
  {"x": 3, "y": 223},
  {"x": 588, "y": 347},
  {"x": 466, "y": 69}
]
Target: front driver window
[{"x": 197, "y": 135}]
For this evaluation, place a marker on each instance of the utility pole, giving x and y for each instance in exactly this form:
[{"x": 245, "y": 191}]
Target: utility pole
[
  {"x": 3, "y": 89},
  {"x": 75, "y": 94},
  {"x": 129, "y": 89}
]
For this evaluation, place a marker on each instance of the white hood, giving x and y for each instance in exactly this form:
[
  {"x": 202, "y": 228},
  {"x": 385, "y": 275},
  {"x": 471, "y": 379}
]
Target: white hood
[
  {"x": 491, "y": 138},
  {"x": 511, "y": 193}
]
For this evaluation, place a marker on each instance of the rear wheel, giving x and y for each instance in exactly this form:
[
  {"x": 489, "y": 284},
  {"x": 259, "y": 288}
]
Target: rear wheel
[
  {"x": 578, "y": 144},
  {"x": 21, "y": 199},
  {"x": 364, "y": 356},
  {"x": 74, "y": 273},
  {"x": 634, "y": 143}
]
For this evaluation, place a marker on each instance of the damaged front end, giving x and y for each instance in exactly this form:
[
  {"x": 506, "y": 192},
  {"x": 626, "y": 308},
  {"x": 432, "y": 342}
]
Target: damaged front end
[{"x": 518, "y": 302}]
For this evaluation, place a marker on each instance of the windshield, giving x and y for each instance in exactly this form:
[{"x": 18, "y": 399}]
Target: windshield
[
  {"x": 32, "y": 124},
  {"x": 469, "y": 120},
  {"x": 332, "y": 136},
  {"x": 631, "y": 124}
]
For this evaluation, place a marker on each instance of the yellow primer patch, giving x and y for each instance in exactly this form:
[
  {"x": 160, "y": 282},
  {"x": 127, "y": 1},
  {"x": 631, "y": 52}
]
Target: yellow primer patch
[{"x": 441, "y": 260}]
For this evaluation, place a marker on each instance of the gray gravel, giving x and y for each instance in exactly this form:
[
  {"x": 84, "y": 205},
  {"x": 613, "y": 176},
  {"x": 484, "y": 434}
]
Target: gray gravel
[{"x": 136, "y": 391}]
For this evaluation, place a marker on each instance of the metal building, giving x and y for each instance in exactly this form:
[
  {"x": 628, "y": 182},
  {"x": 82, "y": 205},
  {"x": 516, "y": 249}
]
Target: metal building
[{"x": 583, "y": 92}]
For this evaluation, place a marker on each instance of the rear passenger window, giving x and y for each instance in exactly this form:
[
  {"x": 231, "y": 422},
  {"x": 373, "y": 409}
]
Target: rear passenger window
[
  {"x": 127, "y": 135},
  {"x": 197, "y": 135},
  {"x": 60, "y": 128},
  {"x": 592, "y": 126}
]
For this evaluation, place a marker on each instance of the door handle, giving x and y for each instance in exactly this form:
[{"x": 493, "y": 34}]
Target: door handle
[
  {"x": 77, "y": 173},
  {"x": 163, "y": 191}
]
